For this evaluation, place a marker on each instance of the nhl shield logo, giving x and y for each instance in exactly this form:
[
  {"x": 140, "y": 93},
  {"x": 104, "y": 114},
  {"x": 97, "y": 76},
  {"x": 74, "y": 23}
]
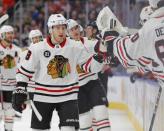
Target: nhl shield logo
[{"x": 47, "y": 53}]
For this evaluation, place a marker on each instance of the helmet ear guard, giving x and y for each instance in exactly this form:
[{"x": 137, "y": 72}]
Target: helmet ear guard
[{"x": 3, "y": 36}]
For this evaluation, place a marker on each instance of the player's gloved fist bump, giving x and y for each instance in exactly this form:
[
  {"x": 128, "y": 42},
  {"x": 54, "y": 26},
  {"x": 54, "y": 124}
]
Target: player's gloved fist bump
[
  {"x": 19, "y": 97},
  {"x": 101, "y": 52},
  {"x": 109, "y": 37}
]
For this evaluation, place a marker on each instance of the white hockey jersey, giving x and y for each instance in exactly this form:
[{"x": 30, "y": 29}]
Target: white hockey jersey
[
  {"x": 57, "y": 77},
  {"x": 31, "y": 83},
  {"x": 8, "y": 65},
  {"x": 85, "y": 77},
  {"x": 144, "y": 49}
]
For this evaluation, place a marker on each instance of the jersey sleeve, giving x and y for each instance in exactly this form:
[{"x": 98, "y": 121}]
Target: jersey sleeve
[
  {"x": 88, "y": 62},
  {"x": 129, "y": 50},
  {"x": 26, "y": 66}
]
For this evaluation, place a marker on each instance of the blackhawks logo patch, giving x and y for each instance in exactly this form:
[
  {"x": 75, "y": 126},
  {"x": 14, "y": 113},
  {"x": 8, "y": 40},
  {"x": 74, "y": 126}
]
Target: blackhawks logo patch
[
  {"x": 8, "y": 62},
  {"x": 58, "y": 67}
]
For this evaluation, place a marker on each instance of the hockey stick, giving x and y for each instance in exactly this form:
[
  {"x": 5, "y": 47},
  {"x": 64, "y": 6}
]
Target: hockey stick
[
  {"x": 155, "y": 109},
  {"x": 3, "y": 18},
  {"x": 38, "y": 115},
  {"x": 1, "y": 97},
  {"x": 1, "y": 93}
]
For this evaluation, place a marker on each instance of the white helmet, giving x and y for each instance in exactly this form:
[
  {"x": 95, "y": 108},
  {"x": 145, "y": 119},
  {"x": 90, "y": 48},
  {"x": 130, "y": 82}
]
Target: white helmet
[
  {"x": 4, "y": 29},
  {"x": 35, "y": 33},
  {"x": 71, "y": 23},
  {"x": 56, "y": 19},
  {"x": 145, "y": 14},
  {"x": 153, "y": 3}
]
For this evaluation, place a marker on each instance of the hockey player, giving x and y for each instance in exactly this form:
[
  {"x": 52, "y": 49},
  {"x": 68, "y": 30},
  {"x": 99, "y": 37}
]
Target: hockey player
[
  {"x": 92, "y": 99},
  {"x": 145, "y": 48},
  {"x": 8, "y": 61},
  {"x": 91, "y": 33},
  {"x": 91, "y": 30},
  {"x": 137, "y": 72},
  {"x": 56, "y": 86},
  {"x": 35, "y": 36}
]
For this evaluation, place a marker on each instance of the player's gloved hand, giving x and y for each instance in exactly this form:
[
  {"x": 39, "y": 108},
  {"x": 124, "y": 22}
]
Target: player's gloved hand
[
  {"x": 105, "y": 47},
  {"x": 101, "y": 52},
  {"x": 19, "y": 97},
  {"x": 109, "y": 37},
  {"x": 134, "y": 77}
]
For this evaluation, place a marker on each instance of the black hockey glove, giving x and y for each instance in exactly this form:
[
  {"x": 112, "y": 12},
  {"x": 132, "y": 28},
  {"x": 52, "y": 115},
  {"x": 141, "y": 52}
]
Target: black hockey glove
[
  {"x": 134, "y": 77},
  {"x": 19, "y": 97},
  {"x": 101, "y": 52},
  {"x": 109, "y": 37},
  {"x": 104, "y": 48}
]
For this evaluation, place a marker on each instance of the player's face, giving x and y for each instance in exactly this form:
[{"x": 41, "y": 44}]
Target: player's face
[
  {"x": 9, "y": 37},
  {"x": 89, "y": 31},
  {"x": 37, "y": 39},
  {"x": 75, "y": 32},
  {"x": 59, "y": 33}
]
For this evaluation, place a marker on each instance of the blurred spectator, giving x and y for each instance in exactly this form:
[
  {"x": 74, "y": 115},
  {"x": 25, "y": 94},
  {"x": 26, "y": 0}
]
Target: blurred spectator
[
  {"x": 92, "y": 15},
  {"x": 35, "y": 12},
  {"x": 2, "y": 11},
  {"x": 8, "y": 5},
  {"x": 16, "y": 35}
]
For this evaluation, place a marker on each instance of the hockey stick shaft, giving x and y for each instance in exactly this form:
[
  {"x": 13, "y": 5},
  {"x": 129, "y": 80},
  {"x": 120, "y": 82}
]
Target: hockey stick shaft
[
  {"x": 38, "y": 115},
  {"x": 155, "y": 109},
  {"x": 1, "y": 91}
]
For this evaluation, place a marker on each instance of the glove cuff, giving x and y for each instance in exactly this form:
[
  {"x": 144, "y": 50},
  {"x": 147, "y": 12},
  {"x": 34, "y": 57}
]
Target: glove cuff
[
  {"x": 22, "y": 85},
  {"x": 20, "y": 90}
]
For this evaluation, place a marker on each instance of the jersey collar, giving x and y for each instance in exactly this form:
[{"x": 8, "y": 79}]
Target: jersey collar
[
  {"x": 6, "y": 46},
  {"x": 82, "y": 40},
  {"x": 52, "y": 45}
]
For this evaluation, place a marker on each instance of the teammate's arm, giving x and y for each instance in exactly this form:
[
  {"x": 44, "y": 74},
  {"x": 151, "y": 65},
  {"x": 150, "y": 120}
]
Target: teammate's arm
[{"x": 24, "y": 73}]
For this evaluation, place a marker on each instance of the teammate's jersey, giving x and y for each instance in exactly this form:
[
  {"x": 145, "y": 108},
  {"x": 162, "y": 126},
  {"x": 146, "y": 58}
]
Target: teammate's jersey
[
  {"x": 8, "y": 65},
  {"x": 85, "y": 77},
  {"x": 144, "y": 49},
  {"x": 31, "y": 83},
  {"x": 57, "y": 78}
]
